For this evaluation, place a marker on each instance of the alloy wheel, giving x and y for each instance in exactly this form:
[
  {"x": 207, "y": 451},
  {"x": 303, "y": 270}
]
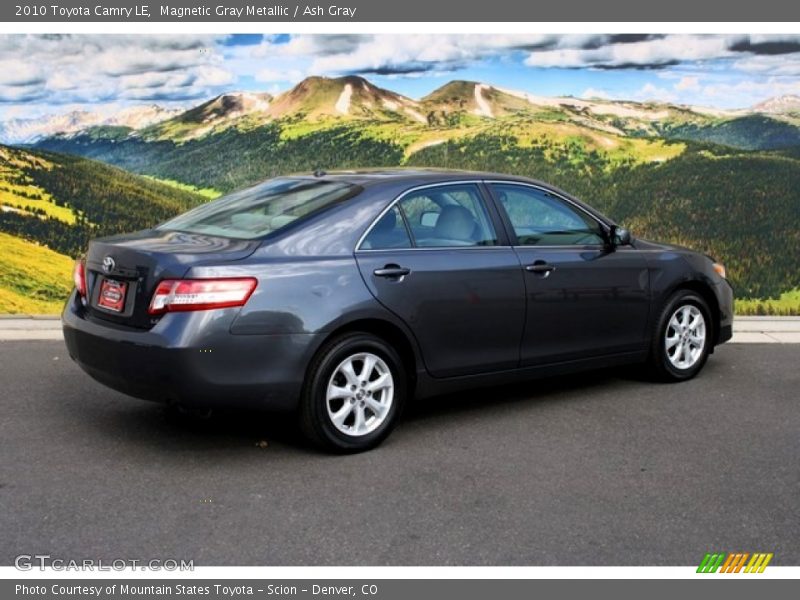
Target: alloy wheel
[
  {"x": 685, "y": 336},
  {"x": 360, "y": 394}
]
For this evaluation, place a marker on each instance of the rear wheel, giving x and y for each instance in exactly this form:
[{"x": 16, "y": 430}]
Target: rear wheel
[
  {"x": 354, "y": 394},
  {"x": 683, "y": 337}
]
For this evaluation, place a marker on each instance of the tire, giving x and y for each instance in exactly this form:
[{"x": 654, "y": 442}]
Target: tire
[
  {"x": 676, "y": 353},
  {"x": 340, "y": 409}
]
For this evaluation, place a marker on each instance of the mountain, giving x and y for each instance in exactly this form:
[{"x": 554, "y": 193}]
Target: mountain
[
  {"x": 458, "y": 102},
  {"x": 137, "y": 117},
  {"x": 227, "y": 106},
  {"x": 779, "y": 105},
  {"x": 334, "y": 101},
  {"x": 23, "y": 131},
  {"x": 632, "y": 131},
  {"x": 315, "y": 98},
  {"x": 475, "y": 98},
  {"x": 312, "y": 100},
  {"x": 29, "y": 130},
  {"x": 215, "y": 113}
]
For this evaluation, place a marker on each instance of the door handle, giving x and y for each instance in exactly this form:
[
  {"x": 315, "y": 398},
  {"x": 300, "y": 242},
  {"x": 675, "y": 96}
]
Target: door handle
[
  {"x": 540, "y": 267},
  {"x": 392, "y": 272}
]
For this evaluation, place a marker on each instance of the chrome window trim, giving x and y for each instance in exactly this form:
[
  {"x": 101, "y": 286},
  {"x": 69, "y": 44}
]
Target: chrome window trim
[
  {"x": 572, "y": 203},
  {"x": 478, "y": 182},
  {"x": 394, "y": 202},
  {"x": 417, "y": 249}
]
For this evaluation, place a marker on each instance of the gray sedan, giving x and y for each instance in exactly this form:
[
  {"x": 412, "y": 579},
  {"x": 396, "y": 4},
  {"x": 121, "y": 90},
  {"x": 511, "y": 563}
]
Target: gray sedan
[{"x": 340, "y": 296}]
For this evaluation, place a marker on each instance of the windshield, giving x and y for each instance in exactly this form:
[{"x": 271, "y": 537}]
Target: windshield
[{"x": 262, "y": 209}]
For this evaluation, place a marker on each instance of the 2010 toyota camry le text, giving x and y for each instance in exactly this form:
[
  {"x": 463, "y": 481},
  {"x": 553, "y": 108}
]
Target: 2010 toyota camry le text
[{"x": 341, "y": 296}]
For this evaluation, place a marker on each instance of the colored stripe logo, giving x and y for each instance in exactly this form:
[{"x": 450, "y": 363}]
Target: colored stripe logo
[{"x": 734, "y": 562}]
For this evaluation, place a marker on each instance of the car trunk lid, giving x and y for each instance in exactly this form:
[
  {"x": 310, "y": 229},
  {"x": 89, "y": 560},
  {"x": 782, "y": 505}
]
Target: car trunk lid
[{"x": 123, "y": 271}]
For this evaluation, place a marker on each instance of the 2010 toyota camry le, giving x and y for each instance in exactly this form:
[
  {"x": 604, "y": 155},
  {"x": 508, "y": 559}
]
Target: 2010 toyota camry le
[{"x": 340, "y": 296}]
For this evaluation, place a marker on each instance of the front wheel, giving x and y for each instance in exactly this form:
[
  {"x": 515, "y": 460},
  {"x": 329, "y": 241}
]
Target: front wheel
[
  {"x": 354, "y": 393},
  {"x": 683, "y": 337}
]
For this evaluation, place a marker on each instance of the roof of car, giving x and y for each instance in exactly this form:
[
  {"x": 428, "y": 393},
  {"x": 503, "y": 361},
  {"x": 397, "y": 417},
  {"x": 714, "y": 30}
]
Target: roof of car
[{"x": 419, "y": 176}]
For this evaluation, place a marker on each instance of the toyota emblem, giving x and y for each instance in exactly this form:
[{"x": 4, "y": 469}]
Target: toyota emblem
[{"x": 108, "y": 264}]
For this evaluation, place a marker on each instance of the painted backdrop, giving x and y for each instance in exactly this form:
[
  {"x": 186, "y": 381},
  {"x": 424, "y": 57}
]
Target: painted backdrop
[{"x": 682, "y": 138}]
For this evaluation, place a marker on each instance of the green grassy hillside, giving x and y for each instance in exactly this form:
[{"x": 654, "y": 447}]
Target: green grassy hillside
[
  {"x": 51, "y": 205},
  {"x": 33, "y": 279},
  {"x": 60, "y": 201},
  {"x": 752, "y": 132}
]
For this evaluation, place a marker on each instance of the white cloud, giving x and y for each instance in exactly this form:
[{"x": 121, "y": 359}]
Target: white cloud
[
  {"x": 422, "y": 52},
  {"x": 269, "y": 75},
  {"x": 16, "y": 73},
  {"x": 652, "y": 93},
  {"x": 589, "y": 93},
  {"x": 688, "y": 83},
  {"x": 749, "y": 92},
  {"x": 212, "y": 76},
  {"x": 781, "y": 64},
  {"x": 407, "y": 55},
  {"x": 648, "y": 53},
  {"x": 96, "y": 68}
]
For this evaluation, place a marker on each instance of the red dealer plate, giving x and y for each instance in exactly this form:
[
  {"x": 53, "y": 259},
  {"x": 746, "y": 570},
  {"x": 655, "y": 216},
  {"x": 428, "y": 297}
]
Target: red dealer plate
[{"x": 112, "y": 295}]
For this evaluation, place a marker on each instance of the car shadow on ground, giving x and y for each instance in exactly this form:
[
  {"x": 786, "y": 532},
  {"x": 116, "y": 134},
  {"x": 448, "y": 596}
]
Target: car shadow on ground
[
  {"x": 154, "y": 424},
  {"x": 538, "y": 391}
]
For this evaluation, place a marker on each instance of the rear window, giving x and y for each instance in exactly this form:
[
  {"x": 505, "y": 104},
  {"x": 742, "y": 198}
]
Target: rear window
[{"x": 262, "y": 209}]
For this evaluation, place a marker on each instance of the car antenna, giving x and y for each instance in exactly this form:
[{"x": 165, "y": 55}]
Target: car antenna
[{"x": 319, "y": 173}]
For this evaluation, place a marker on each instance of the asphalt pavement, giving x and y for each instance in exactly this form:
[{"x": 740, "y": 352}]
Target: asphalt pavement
[{"x": 599, "y": 469}]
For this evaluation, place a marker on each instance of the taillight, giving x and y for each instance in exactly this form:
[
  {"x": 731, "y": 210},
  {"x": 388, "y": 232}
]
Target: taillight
[
  {"x": 173, "y": 295},
  {"x": 79, "y": 277}
]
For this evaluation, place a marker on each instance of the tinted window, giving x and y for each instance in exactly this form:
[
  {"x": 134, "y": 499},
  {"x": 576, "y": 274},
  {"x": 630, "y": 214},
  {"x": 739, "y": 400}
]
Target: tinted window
[
  {"x": 262, "y": 209},
  {"x": 388, "y": 232},
  {"x": 542, "y": 219},
  {"x": 450, "y": 215}
]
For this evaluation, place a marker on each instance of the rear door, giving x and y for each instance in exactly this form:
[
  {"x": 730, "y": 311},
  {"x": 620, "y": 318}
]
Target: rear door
[
  {"x": 583, "y": 299},
  {"x": 435, "y": 259}
]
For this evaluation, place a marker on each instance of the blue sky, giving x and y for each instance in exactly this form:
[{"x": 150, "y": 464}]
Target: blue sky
[{"x": 57, "y": 73}]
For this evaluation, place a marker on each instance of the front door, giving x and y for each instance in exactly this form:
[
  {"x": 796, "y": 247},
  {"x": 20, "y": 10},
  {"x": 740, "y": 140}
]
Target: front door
[{"x": 583, "y": 299}]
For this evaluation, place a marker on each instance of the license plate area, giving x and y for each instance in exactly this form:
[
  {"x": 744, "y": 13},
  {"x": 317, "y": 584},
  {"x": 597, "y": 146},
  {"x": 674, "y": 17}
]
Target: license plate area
[{"x": 114, "y": 296}]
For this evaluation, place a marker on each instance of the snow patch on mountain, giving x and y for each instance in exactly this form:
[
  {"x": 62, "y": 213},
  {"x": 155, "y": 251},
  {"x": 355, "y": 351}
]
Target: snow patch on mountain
[
  {"x": 343, "y": 103},
  {"x": 484, "y": 108},
  {"x": 599, "y": 108},
  {"x": 415, "y": 114},
  {"x": 779, "y": 105}
]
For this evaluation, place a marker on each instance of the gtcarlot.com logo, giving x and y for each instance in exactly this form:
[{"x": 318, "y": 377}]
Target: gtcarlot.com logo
[
  {"x": 734, "y": 562},
  {"x": 29, "y": 562}
]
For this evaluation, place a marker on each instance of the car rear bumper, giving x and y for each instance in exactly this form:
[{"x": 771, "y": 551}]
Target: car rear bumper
[{"x": 191, "y": 359}]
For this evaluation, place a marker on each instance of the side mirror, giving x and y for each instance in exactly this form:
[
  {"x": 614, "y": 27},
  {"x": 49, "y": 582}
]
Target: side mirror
[{"x": 619, "y": 236}]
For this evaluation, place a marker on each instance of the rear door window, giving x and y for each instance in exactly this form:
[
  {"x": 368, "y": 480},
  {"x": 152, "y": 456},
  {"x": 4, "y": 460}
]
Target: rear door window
[
  {"x": 448, "y": 216},
  {"x": 389, "y": 232}
]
